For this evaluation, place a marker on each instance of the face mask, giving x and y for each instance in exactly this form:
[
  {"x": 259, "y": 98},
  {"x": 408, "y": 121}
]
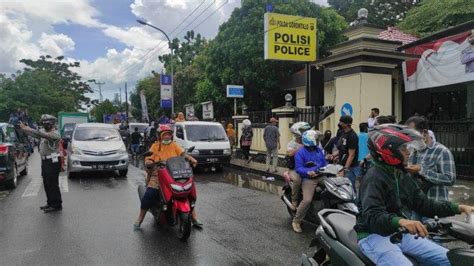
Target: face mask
[
  {"x": 48, "y": 127},
  {"x": 167, "y": 142}
]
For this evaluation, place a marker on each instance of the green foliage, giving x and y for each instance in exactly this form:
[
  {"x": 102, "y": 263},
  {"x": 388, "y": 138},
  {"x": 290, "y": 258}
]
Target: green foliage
[
  {"x": 435, "y": 15},
  {"x": 103, "y": 108},
  {"x": 151, "y": 87},
  {"x": 46, "y": 85},
  {"x": 381, "y": 12}
]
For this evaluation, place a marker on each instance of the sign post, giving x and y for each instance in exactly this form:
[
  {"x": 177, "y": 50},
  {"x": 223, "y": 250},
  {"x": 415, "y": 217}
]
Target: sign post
[
  {"x": 235, "y": 91},
  {"x": 166, "y": 92},
  {"x": 289, "y": 38}
]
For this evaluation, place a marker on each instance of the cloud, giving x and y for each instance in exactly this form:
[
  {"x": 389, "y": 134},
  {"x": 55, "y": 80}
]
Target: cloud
[
  {"x": 55, "y": 44},
  {"x": 135, "y": 36}
]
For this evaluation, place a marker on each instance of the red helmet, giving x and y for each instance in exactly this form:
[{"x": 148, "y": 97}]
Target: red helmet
[
  {"x": 163, "y": 129},
  {"x": 386, "y": 142}
]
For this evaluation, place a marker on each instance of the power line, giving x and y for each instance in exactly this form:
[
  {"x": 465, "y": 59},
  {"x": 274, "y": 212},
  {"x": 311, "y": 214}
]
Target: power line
[{"x": 211, "y": 14}]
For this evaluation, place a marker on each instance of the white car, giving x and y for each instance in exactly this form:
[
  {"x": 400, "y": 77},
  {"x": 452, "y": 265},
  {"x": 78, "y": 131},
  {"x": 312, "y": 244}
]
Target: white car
[
  {"x": 209, "y": 139},
  {"x": 96, "y": 147}
]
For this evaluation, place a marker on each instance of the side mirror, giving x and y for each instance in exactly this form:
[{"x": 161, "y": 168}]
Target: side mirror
[
  {"x": 146, "y": 154},
  {"x": 191, "y": 149},
  {"x": 310, "y": 164}
]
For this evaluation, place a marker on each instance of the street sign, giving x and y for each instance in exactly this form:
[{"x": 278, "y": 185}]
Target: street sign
[
  {"x": 235, "y": 91},
  {"x": 207, "y": 111},
  {"x": 346, "y": 109},
  {"x": 166, "y": 91},
  {"x": 290, "y": 38},
  {"x": 166, "y": 103},
  {"x": 166, "y": 79},
  {"x": 189, "y": 108}
]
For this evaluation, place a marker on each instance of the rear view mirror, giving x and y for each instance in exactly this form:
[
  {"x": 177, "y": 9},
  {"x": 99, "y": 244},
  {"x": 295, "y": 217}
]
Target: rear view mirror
[
  {"x": 146, "y": 154},
  {"x": 310, "y": 164}
]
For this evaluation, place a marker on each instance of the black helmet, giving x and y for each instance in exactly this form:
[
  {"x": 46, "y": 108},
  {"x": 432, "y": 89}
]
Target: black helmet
[{"x": 386, "y": 142}]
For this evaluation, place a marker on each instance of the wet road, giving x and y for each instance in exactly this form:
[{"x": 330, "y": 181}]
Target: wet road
[{"x": 241, "y": 225}]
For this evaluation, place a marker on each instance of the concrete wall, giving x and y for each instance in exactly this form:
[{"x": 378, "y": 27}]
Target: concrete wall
[
  {"x": 301, "y": 97},
  {"x": 363, "y": 91}
]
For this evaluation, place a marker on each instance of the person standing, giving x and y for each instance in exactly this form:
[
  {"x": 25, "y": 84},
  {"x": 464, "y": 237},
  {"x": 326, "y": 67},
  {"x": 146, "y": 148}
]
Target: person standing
[
  {"x": 374, "y": 113},
  {"x": 271, "y": 136},
  {"x": 348, "y": 146},
  {"x": 363, "y": 138},
  {"x": 230, "y": 134},
  {"x": 180, "y": 117},
  {"x": 135, "y": 141},
  {"x": 246, "y": 139},
  {"x": 50, "y": 160}
]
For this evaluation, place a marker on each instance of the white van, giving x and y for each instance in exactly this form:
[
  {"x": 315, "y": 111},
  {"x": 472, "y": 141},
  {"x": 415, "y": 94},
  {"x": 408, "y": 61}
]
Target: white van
[{"x": 209, "y": 139}]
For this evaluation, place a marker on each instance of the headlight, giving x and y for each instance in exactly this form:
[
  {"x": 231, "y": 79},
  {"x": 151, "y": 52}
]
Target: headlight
[
  {"x": 344, "y": 194},
  {"x": 195, "y": 151},
  {"x": 227, "y": 152},
  {"x": 75, "y": 150},
  {"x": 122, "y": 149},
  {"x": 188, "y": 186},
  {"x": 177, "y": 188}
]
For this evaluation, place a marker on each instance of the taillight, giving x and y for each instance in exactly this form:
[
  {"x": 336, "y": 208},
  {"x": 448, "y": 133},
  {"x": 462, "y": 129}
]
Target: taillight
[{"x": 3, "y": 149}]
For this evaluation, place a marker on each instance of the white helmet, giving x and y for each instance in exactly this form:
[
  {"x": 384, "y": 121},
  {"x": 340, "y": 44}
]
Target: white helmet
[
  {"x": 246, "y": 123},
  {"x": 311, "y": 138},
  {"x": 299, "y": 128}
]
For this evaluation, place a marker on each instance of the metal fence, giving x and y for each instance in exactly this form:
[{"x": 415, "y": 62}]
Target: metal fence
[
  {"x": 310, "y": 115},
  {"x": 260, "y": 116},
  {"x": 458, "y": 136}
]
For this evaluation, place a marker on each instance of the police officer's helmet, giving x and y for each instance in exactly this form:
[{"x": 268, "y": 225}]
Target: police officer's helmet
[{"x": 47, "y": 119}]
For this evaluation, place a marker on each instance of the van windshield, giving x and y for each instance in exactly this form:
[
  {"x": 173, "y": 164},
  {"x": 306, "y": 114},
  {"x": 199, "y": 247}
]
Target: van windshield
[{"x": 205, "y": 133}]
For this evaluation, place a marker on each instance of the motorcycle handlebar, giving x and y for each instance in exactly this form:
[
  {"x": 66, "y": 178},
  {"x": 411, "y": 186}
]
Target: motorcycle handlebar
[{"x": 433, "y": 228}]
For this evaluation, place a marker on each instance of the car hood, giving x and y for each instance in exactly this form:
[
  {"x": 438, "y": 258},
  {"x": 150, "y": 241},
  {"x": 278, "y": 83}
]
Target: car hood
[
  {"x": 208, "y": 145},
  {"x": 108, "y": 145}
]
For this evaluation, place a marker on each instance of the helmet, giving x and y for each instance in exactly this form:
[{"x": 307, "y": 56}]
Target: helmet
[
  {"x": 246, "y": 123},
  {"x": 299, "y": 127},
  {"x": 162, "y": 129},
  {"x": 47, "y": 119},
  {"x": 311, "y": 138},
  {"x": 387, "y": 141}
]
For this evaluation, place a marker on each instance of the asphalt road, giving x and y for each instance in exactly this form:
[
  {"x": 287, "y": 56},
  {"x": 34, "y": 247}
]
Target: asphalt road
[{"x": 244, "y": 223}]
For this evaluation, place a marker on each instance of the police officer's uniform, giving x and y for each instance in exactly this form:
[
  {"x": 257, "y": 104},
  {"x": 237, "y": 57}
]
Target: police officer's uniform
[{"x": 50, "y": 162}]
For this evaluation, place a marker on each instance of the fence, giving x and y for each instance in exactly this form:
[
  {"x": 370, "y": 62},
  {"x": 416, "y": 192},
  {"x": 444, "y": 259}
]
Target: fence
[
  {"x": 310, "y": 115},
  {"x": 260, "y": 116},
  {"x": 458, "y": 136}
]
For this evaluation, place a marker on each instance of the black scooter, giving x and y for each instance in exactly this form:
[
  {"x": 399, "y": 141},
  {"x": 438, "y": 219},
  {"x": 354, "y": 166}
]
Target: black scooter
[
  {"x": 336, "y": 240},
  {"x": 332, "y": 192}
]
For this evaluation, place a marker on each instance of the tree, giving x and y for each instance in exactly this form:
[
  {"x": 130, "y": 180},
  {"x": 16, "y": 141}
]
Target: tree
[
  {"x": 435, "y": 15},
  {"x": 235, "y": 56},
  {"x": 381, "y": 12},
  {"x": 103, "y": 108},
  {"x": 46, "y": 85}
]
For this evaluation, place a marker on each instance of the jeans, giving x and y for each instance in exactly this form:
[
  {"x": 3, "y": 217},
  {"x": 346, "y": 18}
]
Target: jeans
[
  {"x": 308, "y": 186},
  {"x": 381, "y": 251},
  {"x": 352, "y": 174},
  {"x": 135, "y": 148},
  {"x": 270, "y": 153}
]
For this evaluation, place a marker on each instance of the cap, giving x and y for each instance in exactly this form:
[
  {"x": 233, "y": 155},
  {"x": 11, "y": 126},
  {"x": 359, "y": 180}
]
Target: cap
[{"x": 346, "y": 119}]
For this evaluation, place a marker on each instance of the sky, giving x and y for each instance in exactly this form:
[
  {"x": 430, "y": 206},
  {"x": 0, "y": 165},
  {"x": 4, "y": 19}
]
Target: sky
[{"x": 103, "y": 35}]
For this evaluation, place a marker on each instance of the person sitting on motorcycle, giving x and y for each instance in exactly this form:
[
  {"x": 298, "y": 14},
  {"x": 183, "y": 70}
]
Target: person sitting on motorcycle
[
  {"x": 163, "y": 149},
  {"x": 387, "y": 197},
  {"x": 297, "y": 129},
  {"x": 311, "y": 152}
]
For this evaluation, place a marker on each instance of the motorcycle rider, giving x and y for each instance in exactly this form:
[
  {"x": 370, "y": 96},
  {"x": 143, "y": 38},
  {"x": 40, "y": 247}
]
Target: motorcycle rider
[
  {"x": 388, "y": 195},
  {"x": 163, "y": 149},
  {"x": 297, "y": 129},
  {"x": 311, "y": 152}
]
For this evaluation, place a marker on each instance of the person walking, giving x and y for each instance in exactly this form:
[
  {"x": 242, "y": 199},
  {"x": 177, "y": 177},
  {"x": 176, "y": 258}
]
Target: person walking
[
  {"x": 348, "y": 146},
  {"x": 271, "y": 136},
  {"x": 230, "y": 134},
  {"x": 50, "y": 160},
  {"x": 135, "y": 141},
  {"x": 246, "y": 139}
]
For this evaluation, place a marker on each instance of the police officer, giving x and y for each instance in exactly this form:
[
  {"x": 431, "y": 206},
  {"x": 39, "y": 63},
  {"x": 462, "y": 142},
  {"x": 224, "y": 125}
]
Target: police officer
[{"x": 50, "y": 160}]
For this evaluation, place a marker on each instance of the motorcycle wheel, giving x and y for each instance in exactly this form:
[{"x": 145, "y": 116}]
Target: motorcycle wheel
[{"x": 184, "y": 226}]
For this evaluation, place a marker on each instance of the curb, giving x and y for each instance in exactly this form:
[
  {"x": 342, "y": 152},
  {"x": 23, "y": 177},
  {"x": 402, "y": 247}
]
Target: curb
[{"x": 277, "y": 176}]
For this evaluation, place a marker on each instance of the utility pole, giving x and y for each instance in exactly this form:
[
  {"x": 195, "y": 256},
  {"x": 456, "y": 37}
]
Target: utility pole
[
  {"x": 100, "y": 88},
  {"x": 120, "y": 99},
  {"x": 126, "y": 100}
]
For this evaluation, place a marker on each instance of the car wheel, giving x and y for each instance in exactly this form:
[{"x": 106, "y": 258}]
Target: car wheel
[
  {"x": 123, "y": 173},
  {"x": 13, "y": 183},
  {"x": 25, "y": 171}
]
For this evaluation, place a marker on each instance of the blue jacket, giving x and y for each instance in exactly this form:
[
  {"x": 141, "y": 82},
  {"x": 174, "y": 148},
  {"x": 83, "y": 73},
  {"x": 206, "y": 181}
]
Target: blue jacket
[{"x": 305, "y": 155}]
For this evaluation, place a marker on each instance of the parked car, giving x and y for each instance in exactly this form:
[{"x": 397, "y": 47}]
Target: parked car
[
  {"x": 142, "y": 127},
  {"x": 209, "y": 139},
  {"x": 13, "y": 156},
  {"x": 97, "y": 147}
]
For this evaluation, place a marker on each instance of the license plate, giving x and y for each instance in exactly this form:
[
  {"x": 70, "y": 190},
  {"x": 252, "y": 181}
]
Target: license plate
[
  {"x": 101, "y": 166},
  {"x": 212, "y": 160}
]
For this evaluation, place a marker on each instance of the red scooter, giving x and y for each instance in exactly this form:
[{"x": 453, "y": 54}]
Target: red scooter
[{"x": 177, "y": 194}]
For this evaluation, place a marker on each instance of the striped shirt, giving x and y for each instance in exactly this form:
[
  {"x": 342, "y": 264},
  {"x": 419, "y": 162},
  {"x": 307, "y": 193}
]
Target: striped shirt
[{"x": 437, "y": 170}]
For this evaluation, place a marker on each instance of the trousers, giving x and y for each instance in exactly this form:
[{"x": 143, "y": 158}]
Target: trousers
[{"x": 50, "y": 173}]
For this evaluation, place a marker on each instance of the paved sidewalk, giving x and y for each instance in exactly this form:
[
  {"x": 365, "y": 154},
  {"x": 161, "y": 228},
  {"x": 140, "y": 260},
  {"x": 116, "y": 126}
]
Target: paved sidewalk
[{"x": 258, "y": 168}]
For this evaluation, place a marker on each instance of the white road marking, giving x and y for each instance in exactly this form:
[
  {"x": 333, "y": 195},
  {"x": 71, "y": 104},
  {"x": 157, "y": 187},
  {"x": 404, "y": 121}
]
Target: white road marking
[
  {"x": 63, "y": 183},
  {"x": 33, "y": 187}
]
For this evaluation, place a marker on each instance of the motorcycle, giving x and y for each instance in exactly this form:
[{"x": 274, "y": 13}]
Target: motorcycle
[
  {"x": 177, "y": 194},
  {"x": 336, "y": 240},
  {"x": 332, "y": 192}
]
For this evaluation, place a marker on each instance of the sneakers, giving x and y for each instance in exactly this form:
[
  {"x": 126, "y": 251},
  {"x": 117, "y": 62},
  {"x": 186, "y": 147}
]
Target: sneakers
[
  {"x": 297, "y": 227},
  {"x": 136, "y": 226}
]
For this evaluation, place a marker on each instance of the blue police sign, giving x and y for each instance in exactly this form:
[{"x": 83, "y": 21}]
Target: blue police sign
[
  {"x": 346, "y": 109},
  {"x": 235, "y": 91},
  {"x": 165, "y": 80},
  {"x": 166, "y": 103}
]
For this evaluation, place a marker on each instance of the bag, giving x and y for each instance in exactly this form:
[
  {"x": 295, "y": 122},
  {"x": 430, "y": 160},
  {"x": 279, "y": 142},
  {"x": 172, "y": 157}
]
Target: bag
[
  {"x": 290, "y": 162},
  {"x": 245, "y": 143}
]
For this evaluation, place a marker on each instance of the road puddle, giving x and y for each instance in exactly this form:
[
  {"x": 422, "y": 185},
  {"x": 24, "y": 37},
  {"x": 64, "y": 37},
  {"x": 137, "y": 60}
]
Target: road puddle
[{"x": 252, "y": 181}]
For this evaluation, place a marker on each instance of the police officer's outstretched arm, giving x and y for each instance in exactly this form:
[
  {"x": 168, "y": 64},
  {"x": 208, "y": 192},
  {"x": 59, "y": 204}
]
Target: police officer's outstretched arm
[{"x": 47, "y": 121}]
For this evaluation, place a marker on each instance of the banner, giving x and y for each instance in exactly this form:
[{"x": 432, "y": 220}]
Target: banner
[
  {"x": 443, "y": 62},
  {"x": 144, "y": 106},
  {"x": 290, "y": 38}
]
